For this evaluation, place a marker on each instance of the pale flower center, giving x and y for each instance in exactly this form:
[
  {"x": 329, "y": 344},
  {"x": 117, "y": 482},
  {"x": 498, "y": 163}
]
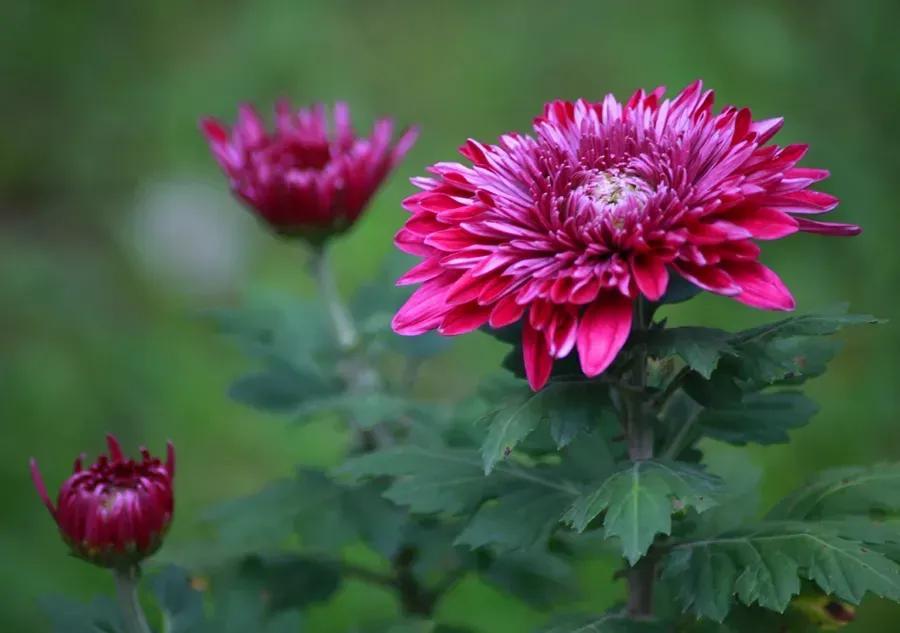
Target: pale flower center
[{"x": 614, "y": 194}]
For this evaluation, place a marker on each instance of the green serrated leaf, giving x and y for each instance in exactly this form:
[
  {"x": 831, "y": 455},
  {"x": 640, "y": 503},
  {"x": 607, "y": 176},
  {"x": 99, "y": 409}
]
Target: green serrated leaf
[
  {"x": 428, "y": 480},
  {"x": 639, "y": 500},
  {"x": 763, "y": 418},
  {"x": 764, "y": 564},
  {"x": 570, "y": 407},
  {"x": 517, "y": 519},
  {"x": 699, "y": 347},
  {"x": 822, "y": 324},
  {"x": 842, "y": 492}
]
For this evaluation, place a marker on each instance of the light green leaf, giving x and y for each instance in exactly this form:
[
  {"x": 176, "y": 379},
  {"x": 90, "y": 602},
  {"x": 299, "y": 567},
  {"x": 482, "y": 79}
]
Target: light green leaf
[
  {"x": 763, "y": 418},
  {"x": 764, "y": 564},
  {"x": 639, "y": 500},
  {"x": 844, "y": 491}
]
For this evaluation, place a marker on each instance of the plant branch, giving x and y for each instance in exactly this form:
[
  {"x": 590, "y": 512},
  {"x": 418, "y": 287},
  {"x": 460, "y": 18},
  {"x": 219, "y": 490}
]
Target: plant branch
[
  {"x": 676, "y": 444},
  {"x": 133, "y": 616}
]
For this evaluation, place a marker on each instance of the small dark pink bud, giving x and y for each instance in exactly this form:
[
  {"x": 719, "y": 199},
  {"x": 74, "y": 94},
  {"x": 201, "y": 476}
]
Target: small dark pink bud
[
  {"x": 312, "y": 177},
  {"x": 116, "y": 512}
]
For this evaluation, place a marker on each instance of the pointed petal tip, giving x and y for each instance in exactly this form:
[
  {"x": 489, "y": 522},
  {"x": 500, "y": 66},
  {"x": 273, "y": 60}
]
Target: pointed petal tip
[
  {"x": 213, "y": 130},
  {"x": 115, "y": 449},
  {"x": 38, "y": 481},
  {"x": 170, "y": 458}
]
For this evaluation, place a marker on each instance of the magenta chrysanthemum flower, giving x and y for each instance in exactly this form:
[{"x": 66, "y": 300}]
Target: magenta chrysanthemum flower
[
  {"x": 566, "y": 229},
  {"x": 301, "y": 180},
  {"x": 115, "y": 513}
]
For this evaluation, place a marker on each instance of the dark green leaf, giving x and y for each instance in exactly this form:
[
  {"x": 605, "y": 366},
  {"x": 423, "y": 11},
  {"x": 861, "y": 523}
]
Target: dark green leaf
[
  {"x": 568, "y": 406},
  {"x": 763, "y": 418},
  {"x": 536, "y": 577},
  {"x": 699, "y": 347},
  {"x": 639, "y": 500},
  {"x": 764, "y": 564},
  {"x": 679, "y": 290},
  {"x": 517, "y": 519},
  {"x": 290, "y": 581}
]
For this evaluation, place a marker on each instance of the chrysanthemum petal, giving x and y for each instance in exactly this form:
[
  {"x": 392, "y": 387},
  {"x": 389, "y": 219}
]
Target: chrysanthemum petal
[
  {"x": 536, "y": 353},
  {"x": 602, "y": 331}
]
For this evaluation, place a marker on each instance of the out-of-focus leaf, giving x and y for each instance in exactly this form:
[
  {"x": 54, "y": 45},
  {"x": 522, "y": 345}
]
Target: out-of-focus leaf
[
  {"x": 280, "y": 388},
  {"x": 763, "y": 565},
  {"x": 365, "y": 410},
  {"x": 610, "y": 623},
  {"x": 639, "y": 500},
  {"x": 763, "y": 418},
  {"x": 536, "y": 577},
  {"x": 101, "y": 615},
  {"x": 181, "y": 604},
  {"x": 290, "y": 581},
  {"x": 840, "y": 492}
]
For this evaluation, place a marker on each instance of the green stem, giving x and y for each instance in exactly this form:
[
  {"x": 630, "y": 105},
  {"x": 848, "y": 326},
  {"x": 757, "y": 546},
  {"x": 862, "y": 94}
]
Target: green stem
[
  {"x": 133, "y": 617},
  {"x": 639, "y": 429},
  {"x": 341, "y": 321}
]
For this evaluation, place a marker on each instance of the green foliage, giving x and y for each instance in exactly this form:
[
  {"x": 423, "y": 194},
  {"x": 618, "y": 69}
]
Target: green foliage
[
  {"x": 763, "y": 418},
  {"x": 699, "y": 347},
  {"x": 763, "y": 565},
  {"x": 181, "y": 605},
  {"x": 539, "y": 578},
  {"x": 610, "y": 623},
  {"x": 101, "y": 615},
  {"x": 639, "y": 500},
  {"x": 569, "y": 407},
  {"x": 869, "y": 491}
]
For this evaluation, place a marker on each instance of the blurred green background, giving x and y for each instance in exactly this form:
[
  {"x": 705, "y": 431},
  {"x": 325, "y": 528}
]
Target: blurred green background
[{"x": 116, "y": 229}]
